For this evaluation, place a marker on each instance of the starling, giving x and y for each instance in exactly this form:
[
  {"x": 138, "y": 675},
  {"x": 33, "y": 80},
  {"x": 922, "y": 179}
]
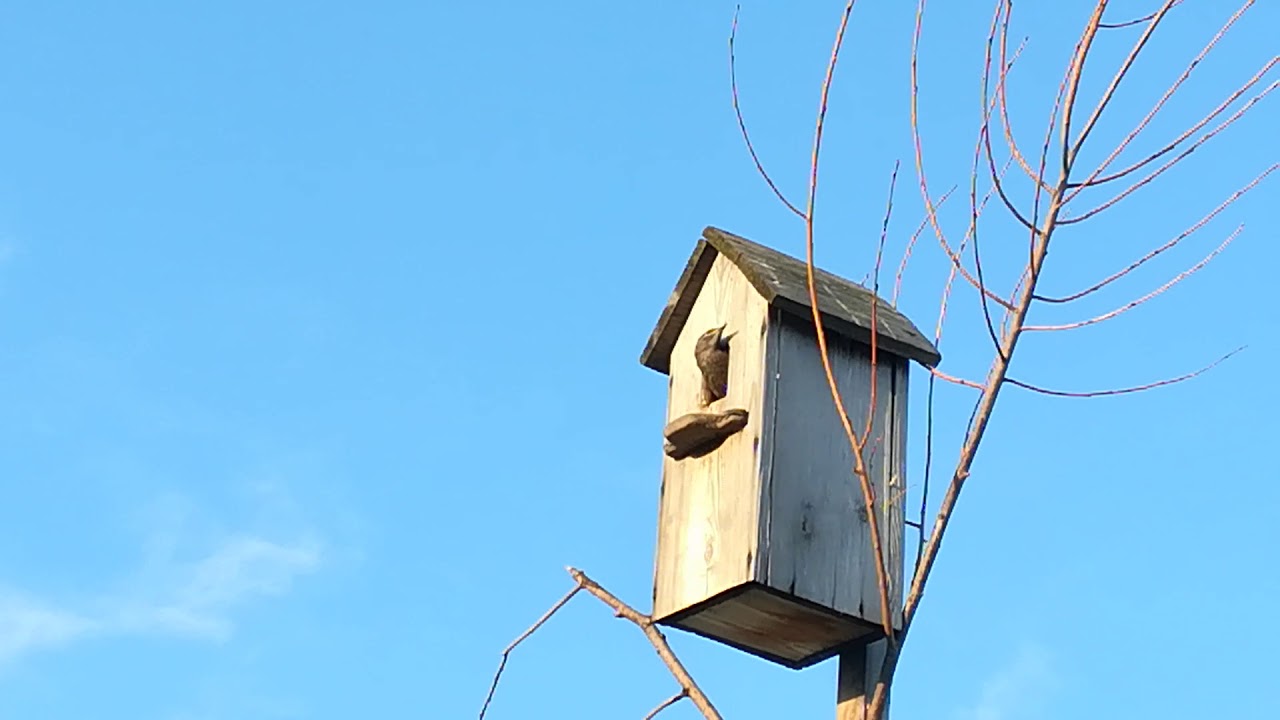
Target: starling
[{"x": 711, "y": 352}]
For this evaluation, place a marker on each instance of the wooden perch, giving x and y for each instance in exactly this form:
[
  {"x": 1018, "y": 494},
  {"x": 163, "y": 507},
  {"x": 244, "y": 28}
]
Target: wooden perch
[{"x": 697, "y": 434}]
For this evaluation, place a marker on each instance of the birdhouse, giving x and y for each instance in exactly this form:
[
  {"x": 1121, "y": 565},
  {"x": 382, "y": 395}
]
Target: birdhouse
[{"x": 763, "y": 537}]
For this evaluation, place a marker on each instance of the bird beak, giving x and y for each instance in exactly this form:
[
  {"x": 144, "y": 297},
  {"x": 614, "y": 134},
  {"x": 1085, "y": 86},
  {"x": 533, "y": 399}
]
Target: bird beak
[{"x": 721, "y": 336}]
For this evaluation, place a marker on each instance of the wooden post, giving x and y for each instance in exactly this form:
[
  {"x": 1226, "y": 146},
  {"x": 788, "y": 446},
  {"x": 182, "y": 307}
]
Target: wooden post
[{"x": 857, "y": 681}]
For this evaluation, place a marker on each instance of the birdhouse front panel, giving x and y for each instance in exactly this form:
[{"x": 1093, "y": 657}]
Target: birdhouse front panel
[{"x": 709, "y": 506}]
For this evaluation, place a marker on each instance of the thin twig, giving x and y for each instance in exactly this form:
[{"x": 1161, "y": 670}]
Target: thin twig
[
  {"x": 742, "y": 124},
  {"x": 507, "y": 652},
  {"x": 1123, "y": 391},
  {"x": 1174, "y": 161},
  {"x": 1167, "y": 246},
  {"x": 1002, "y": 88},
  {"x": 951, "y": 276},
  {"x": 931, "y": 210},
  {"x": 1120, "y": 75},
  {"x": 1144, "y": 18},
  {"x": 875, "y": 305},
  {"x": 658, "y": 640},
  {"x": 1135, "y": 303},
  {"x": 1000, "y": 22},
  {"x": 1173, "y": 144},
  {"x": 936, "y": 373},
  {"x": 984, "y": 137},
  {"x": 666, "y": 704},
  {"x": 1119, "y": 148},
  {"x": 1045, "y": 146},
  {"x": 928, "y": 474},
  {"x": 906, "y": 253}
]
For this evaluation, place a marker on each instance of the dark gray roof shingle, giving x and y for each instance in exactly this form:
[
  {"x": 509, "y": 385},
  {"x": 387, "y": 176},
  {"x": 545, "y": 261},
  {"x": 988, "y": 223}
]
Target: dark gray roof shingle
[{"x": 782, "y": 281}]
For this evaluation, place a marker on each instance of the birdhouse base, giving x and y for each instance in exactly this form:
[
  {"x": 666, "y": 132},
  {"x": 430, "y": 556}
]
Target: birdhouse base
[{"x": 773, "y": 625}]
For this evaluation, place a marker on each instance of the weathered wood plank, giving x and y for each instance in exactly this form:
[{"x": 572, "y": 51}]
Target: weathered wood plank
[
  {"x": 774, "y": 626},
  {"x": 818, "y": 538}
]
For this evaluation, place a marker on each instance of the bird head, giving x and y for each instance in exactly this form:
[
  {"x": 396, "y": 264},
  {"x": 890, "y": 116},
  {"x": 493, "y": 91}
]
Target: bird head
[{"x": 715, "y": 337}]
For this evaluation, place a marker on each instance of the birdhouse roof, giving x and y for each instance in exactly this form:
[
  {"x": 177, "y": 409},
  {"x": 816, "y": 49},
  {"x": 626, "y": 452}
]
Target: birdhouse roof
[{"x": 783, "y": 282}]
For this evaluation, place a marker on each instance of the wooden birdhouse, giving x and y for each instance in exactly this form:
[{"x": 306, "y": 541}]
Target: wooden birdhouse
[{"x": 763, "y": 539}]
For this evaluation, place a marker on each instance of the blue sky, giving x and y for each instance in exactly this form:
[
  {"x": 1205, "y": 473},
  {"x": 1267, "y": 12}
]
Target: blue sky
[{"x": 319, "y": 331}]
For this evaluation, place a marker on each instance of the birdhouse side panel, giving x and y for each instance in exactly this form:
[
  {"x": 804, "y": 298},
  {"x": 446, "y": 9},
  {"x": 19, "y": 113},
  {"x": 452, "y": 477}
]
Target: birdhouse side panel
[
  {"x": 708, "y": 513},
  {"x": 817, "y": 544}
]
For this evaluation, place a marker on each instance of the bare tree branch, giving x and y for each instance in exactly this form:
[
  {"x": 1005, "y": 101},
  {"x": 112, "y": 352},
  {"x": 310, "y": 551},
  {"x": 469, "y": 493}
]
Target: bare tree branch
[
  {"x": 1167, "y": 246},
  {"x": 1187, "y": 151},
  {"x": 659, "y": 641},
  {"x": 1135, "y": 303}
]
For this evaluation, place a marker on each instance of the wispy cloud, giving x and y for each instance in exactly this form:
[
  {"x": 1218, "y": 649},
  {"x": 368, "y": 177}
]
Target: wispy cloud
[
  {"x": 195, "y": 597},
  {"x": 1018, "y": 690},
  {"x": 27, "y": 625}
]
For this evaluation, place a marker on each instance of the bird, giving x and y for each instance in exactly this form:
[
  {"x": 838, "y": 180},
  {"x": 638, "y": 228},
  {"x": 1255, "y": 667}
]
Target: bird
[{"x": 711, "y": 352}]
